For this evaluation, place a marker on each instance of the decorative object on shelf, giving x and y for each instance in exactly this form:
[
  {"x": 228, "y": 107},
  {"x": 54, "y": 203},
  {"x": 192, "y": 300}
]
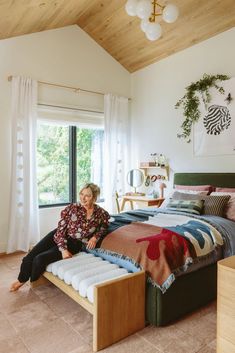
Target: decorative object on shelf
[
  {"x": 159, "y": 161},
  {"x": 155, "y": 158},
  {"x": 190, "y": 101},
  {"x": 154, "y": 177},
  {"x": 162, "y": 160},
  {"x": 148, "y": 11},
  {"x": 147, "y": 164},
  {"x": 162, "y": 172},
  {"x": 147, "y": 181},
  {"x": 153, "y": 194}
]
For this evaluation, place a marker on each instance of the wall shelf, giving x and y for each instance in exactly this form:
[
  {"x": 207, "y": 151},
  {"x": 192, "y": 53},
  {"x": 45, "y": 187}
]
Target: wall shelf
[{"x": 154, "y": 170}]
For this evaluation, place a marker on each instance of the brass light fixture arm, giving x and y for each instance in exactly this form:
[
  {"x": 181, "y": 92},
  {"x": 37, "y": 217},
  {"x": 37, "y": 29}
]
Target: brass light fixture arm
[{"x": 154, "y": 13}]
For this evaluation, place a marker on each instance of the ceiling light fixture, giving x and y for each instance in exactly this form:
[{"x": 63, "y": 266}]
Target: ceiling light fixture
[{"x": 148, "y": 11}]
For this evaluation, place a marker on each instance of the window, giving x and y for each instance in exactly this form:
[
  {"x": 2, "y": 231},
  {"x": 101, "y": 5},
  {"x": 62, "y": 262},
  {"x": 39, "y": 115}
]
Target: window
[{"x": 67, "y": 158}]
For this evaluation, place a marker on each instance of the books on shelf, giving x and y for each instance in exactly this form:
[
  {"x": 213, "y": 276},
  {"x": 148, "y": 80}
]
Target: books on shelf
[{"x": 147, "y": 164}]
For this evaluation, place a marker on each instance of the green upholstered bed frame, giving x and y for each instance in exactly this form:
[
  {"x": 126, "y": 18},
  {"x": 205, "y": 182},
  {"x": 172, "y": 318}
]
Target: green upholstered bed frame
[
  {"x": 192, "y": 290},
  {"x": 225, "y": 180}
]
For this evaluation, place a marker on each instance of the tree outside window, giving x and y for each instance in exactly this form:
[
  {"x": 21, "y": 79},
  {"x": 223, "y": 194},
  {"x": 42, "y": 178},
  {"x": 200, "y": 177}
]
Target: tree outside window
[{"x": 57, "y": 148}]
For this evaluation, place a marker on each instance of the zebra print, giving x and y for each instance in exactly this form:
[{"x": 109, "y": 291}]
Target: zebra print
[{"x": 217, "y": 119}]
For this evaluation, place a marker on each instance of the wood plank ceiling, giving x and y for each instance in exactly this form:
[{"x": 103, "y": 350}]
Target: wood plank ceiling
[{"x": 119, "y": 34}]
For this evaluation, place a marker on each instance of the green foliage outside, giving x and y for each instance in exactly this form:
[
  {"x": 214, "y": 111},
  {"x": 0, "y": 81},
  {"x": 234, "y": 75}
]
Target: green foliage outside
[{"x": 53, "y": 162}]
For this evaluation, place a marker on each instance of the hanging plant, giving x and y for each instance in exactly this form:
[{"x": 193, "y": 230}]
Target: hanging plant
[{"x": 190, "y": 101}]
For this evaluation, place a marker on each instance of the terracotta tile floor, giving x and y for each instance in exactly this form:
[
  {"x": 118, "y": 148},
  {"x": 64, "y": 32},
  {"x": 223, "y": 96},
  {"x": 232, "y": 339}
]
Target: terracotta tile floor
[{"x": 44, "y": 320}]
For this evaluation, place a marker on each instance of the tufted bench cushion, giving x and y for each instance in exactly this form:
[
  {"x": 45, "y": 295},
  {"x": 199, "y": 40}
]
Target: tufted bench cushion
[{"x": 83, "y": 271}]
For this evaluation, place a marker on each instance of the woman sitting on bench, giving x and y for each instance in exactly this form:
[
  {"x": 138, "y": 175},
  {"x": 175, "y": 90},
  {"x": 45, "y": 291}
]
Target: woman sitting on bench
[{"x": 81, "y": 226}]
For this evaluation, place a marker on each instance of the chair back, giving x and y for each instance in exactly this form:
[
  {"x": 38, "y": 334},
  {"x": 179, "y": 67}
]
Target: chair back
[{"x": 117, "y": 202}]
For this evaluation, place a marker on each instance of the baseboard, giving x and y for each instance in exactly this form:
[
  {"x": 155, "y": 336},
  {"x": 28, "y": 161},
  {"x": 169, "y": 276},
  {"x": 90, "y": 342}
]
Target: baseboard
[{"x": 3, "y": 248}]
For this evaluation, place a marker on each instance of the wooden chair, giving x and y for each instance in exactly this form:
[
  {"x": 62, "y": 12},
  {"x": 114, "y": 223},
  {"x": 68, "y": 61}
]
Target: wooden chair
[{"x": 117, "y": 202}]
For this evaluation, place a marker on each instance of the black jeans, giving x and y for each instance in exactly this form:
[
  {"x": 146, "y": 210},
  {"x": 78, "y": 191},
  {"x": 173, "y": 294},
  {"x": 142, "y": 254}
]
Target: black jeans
[{"x": 43, "y": 253}]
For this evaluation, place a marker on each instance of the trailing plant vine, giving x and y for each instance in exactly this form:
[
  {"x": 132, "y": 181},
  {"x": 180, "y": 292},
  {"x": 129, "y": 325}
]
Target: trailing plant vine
[{"x": 190, "y": 101}]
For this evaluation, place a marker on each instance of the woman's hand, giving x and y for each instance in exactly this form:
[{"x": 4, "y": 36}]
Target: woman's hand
[
  {"x": 91, "y": 243},
  {"x": 66, "y": 254}
]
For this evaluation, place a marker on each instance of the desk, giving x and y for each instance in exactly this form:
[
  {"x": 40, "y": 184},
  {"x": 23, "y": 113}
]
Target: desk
[{"x": 144, "y": 199}]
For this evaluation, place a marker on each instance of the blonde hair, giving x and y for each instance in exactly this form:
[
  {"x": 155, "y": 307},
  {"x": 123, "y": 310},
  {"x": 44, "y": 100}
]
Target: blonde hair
[{"x": 95, "y": 189}]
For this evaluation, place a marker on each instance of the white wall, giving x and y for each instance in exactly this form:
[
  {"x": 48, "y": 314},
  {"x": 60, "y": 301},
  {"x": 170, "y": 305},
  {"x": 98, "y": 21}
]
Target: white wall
[
  {"x": 156, "y": 89},
  {"x": 66, "y": 56}
]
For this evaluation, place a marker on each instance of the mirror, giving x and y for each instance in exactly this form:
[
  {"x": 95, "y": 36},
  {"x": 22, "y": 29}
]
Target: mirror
[{"x": 135, "y": 178}]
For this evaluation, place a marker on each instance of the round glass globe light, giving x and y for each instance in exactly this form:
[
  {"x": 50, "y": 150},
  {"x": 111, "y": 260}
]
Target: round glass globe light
[
  {"x": 131, "y": 6},
  {"x": 170, "y": 13},
  {"x": 143, "y": 24},
  {"x": 153, "y": 31},
  {"x": 144, "y": 9}
]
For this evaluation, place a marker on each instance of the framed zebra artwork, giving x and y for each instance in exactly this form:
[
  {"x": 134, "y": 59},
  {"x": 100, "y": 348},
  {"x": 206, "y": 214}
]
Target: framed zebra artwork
[{"x": 214, "y": 133}]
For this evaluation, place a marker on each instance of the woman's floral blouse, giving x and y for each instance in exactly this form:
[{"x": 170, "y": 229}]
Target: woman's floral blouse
[{"x": 74, "y": 224}]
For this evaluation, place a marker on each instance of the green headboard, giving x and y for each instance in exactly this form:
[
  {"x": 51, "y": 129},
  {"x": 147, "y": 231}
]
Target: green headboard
[{"x": 226, "y": 180}]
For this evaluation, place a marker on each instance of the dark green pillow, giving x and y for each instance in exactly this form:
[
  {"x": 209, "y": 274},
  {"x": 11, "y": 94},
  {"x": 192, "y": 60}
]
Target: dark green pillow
[{"x": 187, "y": 206}]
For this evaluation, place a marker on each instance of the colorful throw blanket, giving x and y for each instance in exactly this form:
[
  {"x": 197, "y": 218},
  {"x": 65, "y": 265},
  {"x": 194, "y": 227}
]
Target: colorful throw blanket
[{"x": 161, "y": 251}]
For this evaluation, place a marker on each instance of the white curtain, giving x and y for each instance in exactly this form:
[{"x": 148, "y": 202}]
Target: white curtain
[
  {"x": 117, "y": 133},
  {"x": 24, "y": 218}
]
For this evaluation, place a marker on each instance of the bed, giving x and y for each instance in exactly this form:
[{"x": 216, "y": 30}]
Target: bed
[
  {"x": 197, "y": 286},
  {"x": 167, "y": 295}
]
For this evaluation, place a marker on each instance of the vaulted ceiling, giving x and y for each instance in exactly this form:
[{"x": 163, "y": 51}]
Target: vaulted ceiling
[{"x": 119, "y": 34}]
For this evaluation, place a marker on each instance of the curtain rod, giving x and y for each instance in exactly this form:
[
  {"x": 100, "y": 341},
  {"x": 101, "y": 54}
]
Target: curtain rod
[
  {"x": 76, "y": 89},
  {"x": 70, "y": 108}
]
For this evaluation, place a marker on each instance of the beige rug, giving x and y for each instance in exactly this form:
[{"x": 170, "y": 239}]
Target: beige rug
[{"x": 44, "y": 320}]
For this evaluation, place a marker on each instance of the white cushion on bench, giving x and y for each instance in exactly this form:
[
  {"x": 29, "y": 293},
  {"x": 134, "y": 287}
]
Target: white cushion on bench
[
  {"x": 84, "y": 271},
  {"x": 103, "y": 267},
  {"x": 90, "y": 289},
  {"x": 82, "y": 261},
  {"x": 81, "y": 269},
  {"x": 84, "y": 284},
  {"x": 53, "y": 267}
]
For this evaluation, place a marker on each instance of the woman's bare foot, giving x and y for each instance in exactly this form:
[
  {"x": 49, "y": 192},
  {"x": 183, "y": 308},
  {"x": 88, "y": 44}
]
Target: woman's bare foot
[{"x": 16, "y": 285}]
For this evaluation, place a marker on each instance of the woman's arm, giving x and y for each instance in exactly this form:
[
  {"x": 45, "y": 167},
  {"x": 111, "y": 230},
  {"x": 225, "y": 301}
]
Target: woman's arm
[
  {"x": 60, "y": 235},
  {"x": 101, "y": 229}
]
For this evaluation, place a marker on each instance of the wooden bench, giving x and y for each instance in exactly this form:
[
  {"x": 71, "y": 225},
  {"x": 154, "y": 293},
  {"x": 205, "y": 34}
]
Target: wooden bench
[{"x": 118, "y": 309}]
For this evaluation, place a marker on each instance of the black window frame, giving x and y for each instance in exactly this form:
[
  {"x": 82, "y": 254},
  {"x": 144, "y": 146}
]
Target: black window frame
[{"x": 72, "y": 170}]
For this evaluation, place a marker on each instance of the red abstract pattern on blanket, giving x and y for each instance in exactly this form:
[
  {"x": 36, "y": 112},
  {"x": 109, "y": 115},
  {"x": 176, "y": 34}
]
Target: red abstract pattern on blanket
[
  {"x": 168, "y": 242},
  {"x": 159, "y": 251}
]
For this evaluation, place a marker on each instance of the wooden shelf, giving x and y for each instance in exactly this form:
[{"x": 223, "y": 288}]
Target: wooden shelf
[
  {"x": 226, "y": 306},
  {"x": 164, "y": 171}
]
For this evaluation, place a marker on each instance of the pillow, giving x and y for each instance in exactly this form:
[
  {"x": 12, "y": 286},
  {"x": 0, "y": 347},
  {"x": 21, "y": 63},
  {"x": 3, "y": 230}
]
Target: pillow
[
  {"x": 215, "y": 205},
  {"x": 187, "y": 206},
  {"x": 225, "y": 190},
  {"x": 230, "y": 207},
  {"x": 208, "y": 188},
  {"x": 189, "y": 195},
  {"x": 184, "y": 195}
]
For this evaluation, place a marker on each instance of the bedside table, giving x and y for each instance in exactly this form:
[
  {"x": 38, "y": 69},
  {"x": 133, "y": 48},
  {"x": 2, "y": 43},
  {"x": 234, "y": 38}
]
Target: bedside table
[
  {"x": 226, "y": 305},
  {"x": 141, "y": 199}
]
